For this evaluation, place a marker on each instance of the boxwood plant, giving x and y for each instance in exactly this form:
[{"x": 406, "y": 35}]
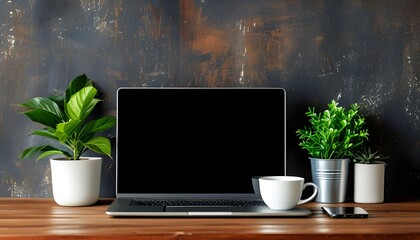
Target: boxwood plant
[{"x": 334, "y": 133}]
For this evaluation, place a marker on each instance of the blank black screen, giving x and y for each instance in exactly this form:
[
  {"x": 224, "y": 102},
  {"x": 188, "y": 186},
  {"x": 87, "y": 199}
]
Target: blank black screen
[{"x": 198, "y": 140}]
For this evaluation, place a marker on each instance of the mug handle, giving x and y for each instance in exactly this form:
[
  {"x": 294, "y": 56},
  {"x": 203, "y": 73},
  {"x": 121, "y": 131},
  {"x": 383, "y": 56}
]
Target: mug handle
[{"x": 302, "y": 201}]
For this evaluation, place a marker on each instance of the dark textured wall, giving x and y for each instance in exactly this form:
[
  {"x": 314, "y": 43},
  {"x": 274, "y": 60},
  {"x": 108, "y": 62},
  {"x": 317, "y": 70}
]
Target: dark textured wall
[{"x": 361, "y": 51}]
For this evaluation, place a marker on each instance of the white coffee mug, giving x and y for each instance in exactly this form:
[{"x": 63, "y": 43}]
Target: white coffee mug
[{"x": 284, "y": 192}]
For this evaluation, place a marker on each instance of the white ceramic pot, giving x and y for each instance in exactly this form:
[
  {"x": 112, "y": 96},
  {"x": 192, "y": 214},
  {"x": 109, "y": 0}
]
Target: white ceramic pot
[
  {"x": 76, "y": 182},
  {"x": 369, "y": 182}
]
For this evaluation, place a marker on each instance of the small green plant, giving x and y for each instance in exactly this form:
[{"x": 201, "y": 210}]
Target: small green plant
[
  {"x": 333, "y": 134},
  {"x": 66, "y": 122},
  {"x": 365, "y": 156}
]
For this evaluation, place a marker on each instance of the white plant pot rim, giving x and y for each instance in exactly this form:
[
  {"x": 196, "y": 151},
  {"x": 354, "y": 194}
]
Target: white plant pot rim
[{"x": 80, "y": 159}]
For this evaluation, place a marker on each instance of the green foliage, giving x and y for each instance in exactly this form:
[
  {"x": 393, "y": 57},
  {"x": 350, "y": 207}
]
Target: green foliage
[
  {"x": 365, "y": 156},
  {"x": 66, "y": 122},
  {"x": 333, "y": 134}
]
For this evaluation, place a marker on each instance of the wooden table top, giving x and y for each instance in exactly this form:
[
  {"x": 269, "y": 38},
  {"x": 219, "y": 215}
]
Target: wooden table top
[{"x": 43, "y": 219}]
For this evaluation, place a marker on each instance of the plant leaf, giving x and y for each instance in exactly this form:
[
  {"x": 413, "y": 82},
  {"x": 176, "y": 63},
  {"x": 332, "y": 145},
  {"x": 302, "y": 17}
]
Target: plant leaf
[
  {"x": 43, "y": 117},
  {"x": 77, "y": 84},
  {"x": 43, "y": 151},
  {"x": 81, "y": 103},
  {"x": 51, "y": 152},
  {"x": 100, "y": 145},
  {"x": 99, "y": 125},
  {"x": 48, "y": 133},
  {"x": 45, "y": 104},
  {"x": 66, "y": 130},
  {"x": 44, "y": 111}
]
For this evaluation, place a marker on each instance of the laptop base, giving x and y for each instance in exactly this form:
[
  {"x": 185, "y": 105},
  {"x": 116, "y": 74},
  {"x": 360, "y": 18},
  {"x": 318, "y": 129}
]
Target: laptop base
[{"x": 121, "y": 207}]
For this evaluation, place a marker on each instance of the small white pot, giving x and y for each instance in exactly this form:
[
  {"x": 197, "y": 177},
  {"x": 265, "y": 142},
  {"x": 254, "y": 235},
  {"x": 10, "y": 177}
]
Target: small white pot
[
  {"x": 369, "y": 182},
  {"x": 76, "y": 182}
]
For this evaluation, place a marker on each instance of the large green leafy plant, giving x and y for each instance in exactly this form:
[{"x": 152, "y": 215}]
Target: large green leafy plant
[
  {"x": 66, "y": 122},
  {"x": 334, "y": 133}
]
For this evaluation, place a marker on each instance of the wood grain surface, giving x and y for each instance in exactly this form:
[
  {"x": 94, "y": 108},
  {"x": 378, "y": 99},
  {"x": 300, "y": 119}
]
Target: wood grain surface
[{"x": 44, "y": 219}]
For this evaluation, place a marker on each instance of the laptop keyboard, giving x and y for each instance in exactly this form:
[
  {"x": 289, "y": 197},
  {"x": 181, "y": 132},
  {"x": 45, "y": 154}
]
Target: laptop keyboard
[{"x": 244, "y": 203}]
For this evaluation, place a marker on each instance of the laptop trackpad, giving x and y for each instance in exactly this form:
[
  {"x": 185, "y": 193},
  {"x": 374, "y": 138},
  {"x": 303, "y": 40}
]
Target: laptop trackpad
[{"x": 220, "y": 209}]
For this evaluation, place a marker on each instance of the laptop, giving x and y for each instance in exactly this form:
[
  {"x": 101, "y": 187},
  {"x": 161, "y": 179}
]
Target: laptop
[{"x": 183, "y": 152}]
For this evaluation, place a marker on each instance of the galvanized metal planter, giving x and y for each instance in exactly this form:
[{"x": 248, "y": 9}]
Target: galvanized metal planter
[{"x": 330, "y": 175}]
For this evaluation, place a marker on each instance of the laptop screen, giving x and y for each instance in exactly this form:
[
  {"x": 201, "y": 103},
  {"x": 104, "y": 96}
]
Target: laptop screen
[{"x": 198, "y": 140}]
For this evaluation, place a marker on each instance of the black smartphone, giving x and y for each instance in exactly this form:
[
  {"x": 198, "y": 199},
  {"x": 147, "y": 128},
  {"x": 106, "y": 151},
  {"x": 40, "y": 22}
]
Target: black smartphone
[{"x": 345, "y": 212}]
